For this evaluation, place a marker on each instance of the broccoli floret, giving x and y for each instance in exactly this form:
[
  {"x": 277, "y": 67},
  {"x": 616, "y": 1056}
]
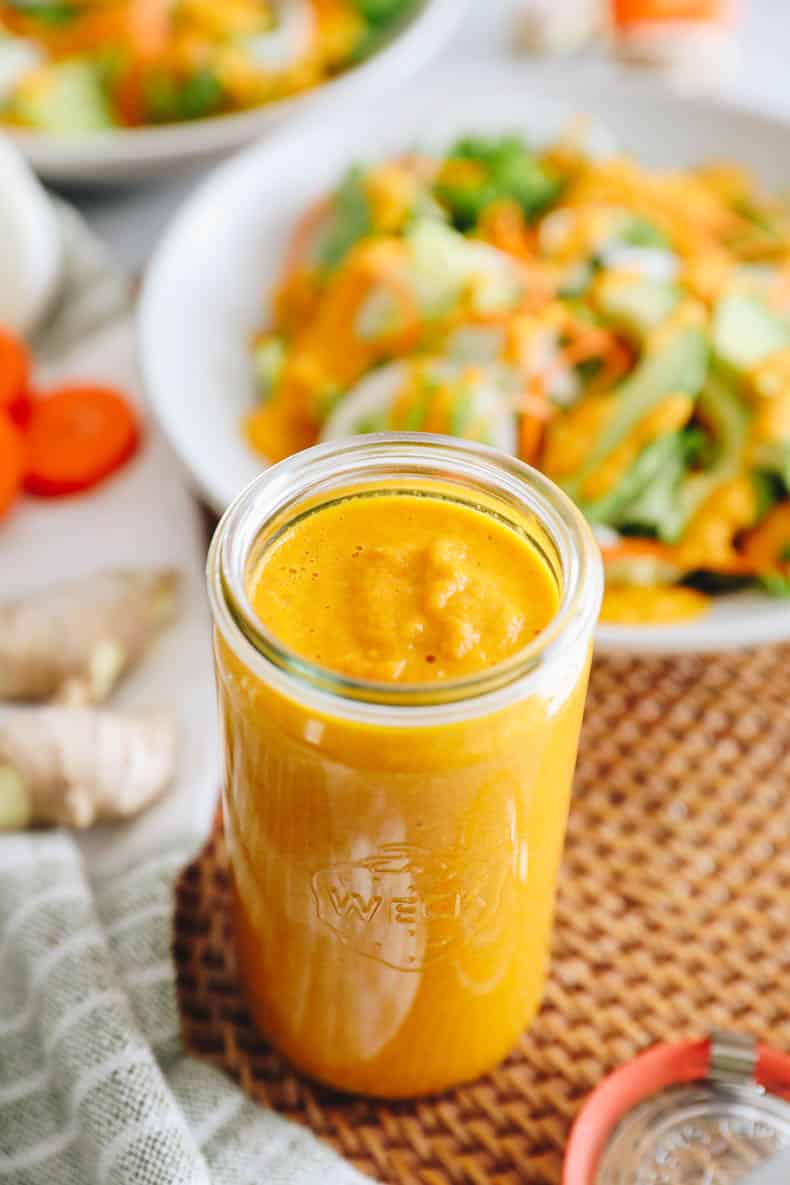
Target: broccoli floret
[
  {"x": 380, "y": 17},
  {"x": 377, "y": 12},
  {"x": 201, "y": 95},
  {"x": 59, "y": 12},
  {"x": 160, "y": 98},
  {"x": 169, "y": 100},
  {"x": 478, "y": 172}
]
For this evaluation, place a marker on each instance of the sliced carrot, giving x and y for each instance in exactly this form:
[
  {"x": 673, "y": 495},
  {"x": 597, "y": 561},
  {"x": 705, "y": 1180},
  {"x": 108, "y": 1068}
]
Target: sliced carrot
[
  {"x": 12, "y": 462},
  {"x": 14, "y": 378},
  {"x": 78, "y": 436}
]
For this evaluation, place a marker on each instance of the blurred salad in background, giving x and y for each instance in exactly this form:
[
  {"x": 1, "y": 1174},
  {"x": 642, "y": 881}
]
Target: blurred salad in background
[
  {"x": 626, "y": 331},
  {"x": 80, "y": 66}
]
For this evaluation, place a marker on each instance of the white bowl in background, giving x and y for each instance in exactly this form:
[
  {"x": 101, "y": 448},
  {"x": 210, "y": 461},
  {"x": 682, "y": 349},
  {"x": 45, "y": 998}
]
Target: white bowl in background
[
  {"x": 206, "y": 288},
  {"x": 132, "y": 154}
]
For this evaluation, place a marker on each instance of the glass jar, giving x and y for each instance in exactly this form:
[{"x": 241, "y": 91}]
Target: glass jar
[{"x": 394, "y": 848}]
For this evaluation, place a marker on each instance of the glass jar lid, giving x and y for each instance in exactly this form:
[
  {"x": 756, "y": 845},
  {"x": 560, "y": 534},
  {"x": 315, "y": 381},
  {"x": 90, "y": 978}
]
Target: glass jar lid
[{"x": 698, "y": 1113}]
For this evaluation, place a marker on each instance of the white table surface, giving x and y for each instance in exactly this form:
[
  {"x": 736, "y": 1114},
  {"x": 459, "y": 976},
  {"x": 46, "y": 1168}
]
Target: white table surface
[{"x": 131, "y": 220}]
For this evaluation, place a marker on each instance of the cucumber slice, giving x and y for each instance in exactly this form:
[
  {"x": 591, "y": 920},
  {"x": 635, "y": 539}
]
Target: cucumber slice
[
  {"x": 638, "y": 306},
  {"x": 69, "y": 98},
  {"x": 443, "y": 264},
  {"x": 371, "y": 397},
  {"x": 745, "y": 332}
]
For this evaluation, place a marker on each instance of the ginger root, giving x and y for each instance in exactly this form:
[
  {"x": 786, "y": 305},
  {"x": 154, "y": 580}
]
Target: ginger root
[
  {"x": 78, "y": 766},
  {"x": 73, "y": 642}
]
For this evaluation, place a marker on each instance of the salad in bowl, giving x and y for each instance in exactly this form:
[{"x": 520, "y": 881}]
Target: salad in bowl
[
  {"x": 71, "y": 67},
  {"x": 625, "y": 330}
]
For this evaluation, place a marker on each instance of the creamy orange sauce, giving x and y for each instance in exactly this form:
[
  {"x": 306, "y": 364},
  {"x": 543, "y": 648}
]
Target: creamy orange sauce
[
  {"x": 394, "y": 879},
  {"x": 404, "y": 588}
]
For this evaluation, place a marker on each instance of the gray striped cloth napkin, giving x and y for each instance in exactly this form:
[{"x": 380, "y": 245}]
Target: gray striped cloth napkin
[{"x": 95, "y": 1088}]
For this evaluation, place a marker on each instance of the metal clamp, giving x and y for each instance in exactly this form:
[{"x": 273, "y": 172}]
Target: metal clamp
[{"x": 733, "y": 1058}]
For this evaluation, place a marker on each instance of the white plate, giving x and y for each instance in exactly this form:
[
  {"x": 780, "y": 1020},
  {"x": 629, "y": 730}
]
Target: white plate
[
  {"x": 205, "y": 291},
  {"x": 134, "y": 153}
]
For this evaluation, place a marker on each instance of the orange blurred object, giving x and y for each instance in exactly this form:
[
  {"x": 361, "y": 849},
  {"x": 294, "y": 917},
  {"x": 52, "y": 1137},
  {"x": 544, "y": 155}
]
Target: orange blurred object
[
  {"x": 693, "y": 40},
  {"x": 631, "y": 11},
  {"x": 78, "y": 436},
  {"x": 15, "y": 398},
  {"x": 12, "y": 462}
]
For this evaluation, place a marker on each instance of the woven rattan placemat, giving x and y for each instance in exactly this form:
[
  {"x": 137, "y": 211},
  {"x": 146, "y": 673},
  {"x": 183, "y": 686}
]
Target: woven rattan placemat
[{"x": 673, "y": 918}]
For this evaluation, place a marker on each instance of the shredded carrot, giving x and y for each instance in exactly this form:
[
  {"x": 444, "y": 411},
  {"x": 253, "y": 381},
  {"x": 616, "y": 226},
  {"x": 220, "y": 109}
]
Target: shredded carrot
[
  {"x": 502, "y": 224},
  {"x": 535, "y": 411},
  {"x": 78, "y": 436}
]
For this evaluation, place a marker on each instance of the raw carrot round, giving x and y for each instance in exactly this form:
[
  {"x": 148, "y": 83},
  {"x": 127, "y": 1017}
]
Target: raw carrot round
[
  {"x": 12, "y": 462},
  {"x": 78, "y": 436},
  {"x": 15, "y": 397}
]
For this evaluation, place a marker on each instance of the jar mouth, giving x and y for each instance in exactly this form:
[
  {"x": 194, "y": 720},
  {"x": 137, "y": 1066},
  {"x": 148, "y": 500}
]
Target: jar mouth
[{"x": 392, "y": 458}]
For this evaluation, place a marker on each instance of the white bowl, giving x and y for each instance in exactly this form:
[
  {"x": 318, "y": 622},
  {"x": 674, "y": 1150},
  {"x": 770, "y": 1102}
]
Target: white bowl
[
  {"x": 132, "y": 154},
  {"x": 205, "y": 292}
]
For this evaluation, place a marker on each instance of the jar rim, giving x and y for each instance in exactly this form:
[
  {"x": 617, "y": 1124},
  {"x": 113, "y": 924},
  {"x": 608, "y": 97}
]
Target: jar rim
[{"x": 334, "y": 465}]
